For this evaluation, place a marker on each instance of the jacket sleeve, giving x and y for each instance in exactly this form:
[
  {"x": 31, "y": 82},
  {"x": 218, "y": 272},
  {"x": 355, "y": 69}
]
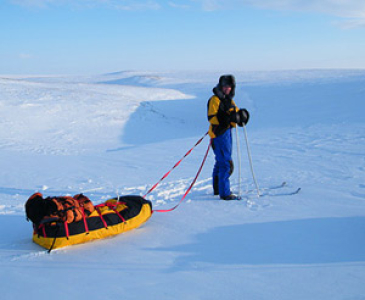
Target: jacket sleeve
[
  {"x": 234, "y": 108},
  {"x": 213, "y": 108}
]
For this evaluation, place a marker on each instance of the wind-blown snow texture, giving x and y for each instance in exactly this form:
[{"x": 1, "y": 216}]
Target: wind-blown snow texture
[{"x": 120, "y": 132}]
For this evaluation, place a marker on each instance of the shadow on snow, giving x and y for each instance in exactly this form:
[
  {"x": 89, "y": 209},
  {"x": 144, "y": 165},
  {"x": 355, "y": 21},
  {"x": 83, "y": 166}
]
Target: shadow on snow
[
  {"x": 309, "y": 241},
  {"x": 269, "y": 106},
  {"x": 159, "y": 121}
]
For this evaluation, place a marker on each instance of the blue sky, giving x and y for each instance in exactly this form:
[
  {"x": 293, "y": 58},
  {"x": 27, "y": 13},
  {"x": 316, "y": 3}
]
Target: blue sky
[{"x": 97, "y": 36}]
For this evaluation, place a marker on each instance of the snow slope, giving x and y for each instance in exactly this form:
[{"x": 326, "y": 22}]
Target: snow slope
[{"x": 120, "y": 132}]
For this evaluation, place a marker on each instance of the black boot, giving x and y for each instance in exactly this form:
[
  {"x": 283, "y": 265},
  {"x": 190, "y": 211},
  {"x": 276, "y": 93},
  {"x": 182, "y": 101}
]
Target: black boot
[{"x": 231, "y": 197}]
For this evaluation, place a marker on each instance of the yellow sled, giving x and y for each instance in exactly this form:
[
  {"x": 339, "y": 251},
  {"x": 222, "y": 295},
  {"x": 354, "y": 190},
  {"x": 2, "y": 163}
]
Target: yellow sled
[{"x": 110, "y": 218}]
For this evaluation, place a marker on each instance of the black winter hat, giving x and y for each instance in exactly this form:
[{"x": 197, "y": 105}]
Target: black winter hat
[{"x": 227, "y": 80}]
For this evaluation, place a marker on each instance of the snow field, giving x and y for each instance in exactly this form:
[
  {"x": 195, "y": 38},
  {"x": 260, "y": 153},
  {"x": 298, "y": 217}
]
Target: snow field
[{"x": 119, "y": 133}]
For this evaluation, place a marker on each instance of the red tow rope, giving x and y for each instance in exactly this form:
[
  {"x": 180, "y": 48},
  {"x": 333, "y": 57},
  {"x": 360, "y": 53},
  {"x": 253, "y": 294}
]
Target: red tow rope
[
  {"x": 193, "y": 182},
  {"x": 167, "y": 174}
]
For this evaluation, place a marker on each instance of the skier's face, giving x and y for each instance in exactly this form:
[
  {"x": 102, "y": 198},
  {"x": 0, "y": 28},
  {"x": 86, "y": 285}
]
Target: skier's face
[{"x": 226, "y": 89}]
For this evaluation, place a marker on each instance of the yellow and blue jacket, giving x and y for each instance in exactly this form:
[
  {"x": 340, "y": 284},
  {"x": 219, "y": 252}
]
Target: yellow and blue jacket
[{"x": 219, "y": 111}]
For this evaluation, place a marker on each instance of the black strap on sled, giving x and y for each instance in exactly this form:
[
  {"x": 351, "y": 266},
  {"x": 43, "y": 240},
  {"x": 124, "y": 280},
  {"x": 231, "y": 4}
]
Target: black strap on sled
[{"x": 55, "y": 237}]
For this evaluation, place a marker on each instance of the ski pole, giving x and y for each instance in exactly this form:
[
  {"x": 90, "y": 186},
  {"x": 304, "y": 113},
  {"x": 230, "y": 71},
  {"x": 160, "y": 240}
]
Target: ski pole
[
  {"x": 239, "y": 162},
  {"x": 250, "y": 160}
]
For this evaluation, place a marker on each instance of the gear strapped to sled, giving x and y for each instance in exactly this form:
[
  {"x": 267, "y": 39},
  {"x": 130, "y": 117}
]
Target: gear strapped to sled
[{"x": 63, "y": 221}]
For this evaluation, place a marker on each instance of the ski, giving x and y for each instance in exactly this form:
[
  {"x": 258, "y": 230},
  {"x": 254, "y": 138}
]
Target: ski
[
  {"x": 274, "y": 187},
  {"x": 266, "y": 191},
  {"x": 295, "y": 192},
  {"x": 291, "y": 193}
]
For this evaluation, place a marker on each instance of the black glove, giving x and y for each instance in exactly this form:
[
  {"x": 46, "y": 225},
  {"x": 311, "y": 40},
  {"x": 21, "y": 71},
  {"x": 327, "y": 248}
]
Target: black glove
[
  {"x": 240, "y": 117},
  {"x": 244, "y": 116}
]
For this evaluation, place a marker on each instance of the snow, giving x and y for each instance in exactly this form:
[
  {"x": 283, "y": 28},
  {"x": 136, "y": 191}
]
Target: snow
[{"x": 119, "y": 133}]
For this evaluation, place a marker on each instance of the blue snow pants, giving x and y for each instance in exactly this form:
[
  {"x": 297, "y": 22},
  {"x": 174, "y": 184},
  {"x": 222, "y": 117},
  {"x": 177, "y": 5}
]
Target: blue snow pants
[{"x": 222, "y": 147}]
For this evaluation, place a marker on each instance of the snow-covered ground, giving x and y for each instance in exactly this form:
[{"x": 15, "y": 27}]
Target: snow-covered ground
[{"x": 120, "y": 132}]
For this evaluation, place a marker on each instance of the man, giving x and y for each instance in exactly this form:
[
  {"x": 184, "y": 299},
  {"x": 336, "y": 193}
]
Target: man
[{"x": 223, "y": 114}]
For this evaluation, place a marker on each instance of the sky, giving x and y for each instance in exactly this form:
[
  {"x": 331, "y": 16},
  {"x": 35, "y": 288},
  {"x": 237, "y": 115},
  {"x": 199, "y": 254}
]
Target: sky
[{"x": 100, "y": 36}]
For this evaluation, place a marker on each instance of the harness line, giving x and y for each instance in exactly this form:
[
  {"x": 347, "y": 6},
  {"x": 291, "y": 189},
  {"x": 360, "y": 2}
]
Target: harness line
[
  {"x": 168, "y": 173},
  {"x": 191, "y": 185}
]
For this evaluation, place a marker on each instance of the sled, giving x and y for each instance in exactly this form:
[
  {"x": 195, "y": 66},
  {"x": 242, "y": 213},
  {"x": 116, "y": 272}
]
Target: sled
[{"x": 112, "y": 217}]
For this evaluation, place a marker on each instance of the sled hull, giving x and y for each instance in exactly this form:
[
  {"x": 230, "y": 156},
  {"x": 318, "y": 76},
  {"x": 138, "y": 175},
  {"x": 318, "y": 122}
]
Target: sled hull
[{"x": 109, "y": 224}]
